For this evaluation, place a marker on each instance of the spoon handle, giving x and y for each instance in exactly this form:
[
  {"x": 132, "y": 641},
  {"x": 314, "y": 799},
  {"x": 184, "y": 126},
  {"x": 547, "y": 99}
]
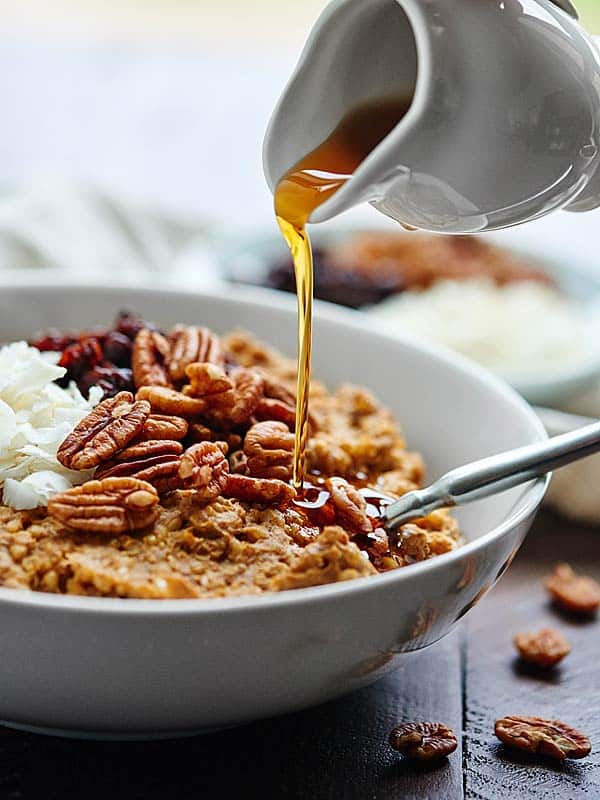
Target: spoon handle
[{"x": 495, "y": 474}]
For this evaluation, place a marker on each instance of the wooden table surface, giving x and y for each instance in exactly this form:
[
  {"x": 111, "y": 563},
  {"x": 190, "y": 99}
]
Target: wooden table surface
[{"x": 339, "y": 750}]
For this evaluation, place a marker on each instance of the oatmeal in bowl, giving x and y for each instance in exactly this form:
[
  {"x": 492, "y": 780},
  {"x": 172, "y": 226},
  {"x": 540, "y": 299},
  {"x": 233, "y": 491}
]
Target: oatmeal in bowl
[
  {"x": 122, "y": 663},
  {"x": 140, "y": 462}
]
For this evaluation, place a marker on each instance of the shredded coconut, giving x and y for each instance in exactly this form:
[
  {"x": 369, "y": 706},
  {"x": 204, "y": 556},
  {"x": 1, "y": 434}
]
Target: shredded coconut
[
  {"x": 519, "y": 329},
  {"x": 36, "y": 415}
]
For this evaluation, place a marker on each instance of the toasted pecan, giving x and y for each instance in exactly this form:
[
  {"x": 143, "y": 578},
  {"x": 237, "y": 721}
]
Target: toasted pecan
[
  {"x": 547, "y": 737},
  {"x": 148, "y": 359},
  {"x": 258, "y": 490},
  {"x": 578, "y": 594},
  {"x": 350, "y": 506},
  {"x": 205, "y": 469},
  {"x": 269, "y": 447},
  {"x": 165, "y": 426},
  {"x": 544, "y": 648},
  {"x": 423, "y": 741},
  {"x": 106, "y": 430},
  {"x": 189, "y": 344},
  {"x": 156, "y": 462},
  {"x": 164, "y": 400},
  {"x": 112, "y": 506}
]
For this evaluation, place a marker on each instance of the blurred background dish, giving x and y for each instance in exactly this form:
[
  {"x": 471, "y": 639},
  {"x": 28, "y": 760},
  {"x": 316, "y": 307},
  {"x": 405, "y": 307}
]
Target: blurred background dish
[{"x": 534, "y": 322}]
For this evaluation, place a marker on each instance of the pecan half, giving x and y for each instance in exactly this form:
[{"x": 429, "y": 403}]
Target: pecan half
[
  {"x": 350, "y": 506},
  {"x": 248, "y": 390},
  {"x": 207, "y": 380},
  {"x": 156, "y": 462},
  {"x": 205, "y": 468},
  {"x": 269, "y": 447},
  {"x": 164, "y": 400},
  {"x": 190, "y": 343},
  {"x": 105, "y": 431},
  {"x": 276, "y": 390},
  {"x": 544, "y": 649},
  {"x": 258, "y": 490},
  {"x": 112, "y": 506},
  {"x": 165, "y": 426},
  {"x": 547, "y": 737},
  {"x": 272, "y": 409},
  {"x": 423, "y": 741},
  {"x": 150, "y": 352},
  {"x": 578, "y": 594},
  {"x": 231, "y": 399}
]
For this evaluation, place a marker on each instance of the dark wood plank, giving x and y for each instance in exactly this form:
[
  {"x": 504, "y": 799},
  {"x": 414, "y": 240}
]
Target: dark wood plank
[
  {"x": 497, "y": 684},
  {"x": 338, "y": 750}
]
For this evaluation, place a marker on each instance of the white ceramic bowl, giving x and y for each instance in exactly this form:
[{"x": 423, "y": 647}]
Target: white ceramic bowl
[{"x": 138, "y": 668}]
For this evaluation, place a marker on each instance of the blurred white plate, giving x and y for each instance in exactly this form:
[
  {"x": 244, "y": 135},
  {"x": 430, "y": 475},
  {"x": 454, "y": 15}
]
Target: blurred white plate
[{"x": 248, "y": 258}]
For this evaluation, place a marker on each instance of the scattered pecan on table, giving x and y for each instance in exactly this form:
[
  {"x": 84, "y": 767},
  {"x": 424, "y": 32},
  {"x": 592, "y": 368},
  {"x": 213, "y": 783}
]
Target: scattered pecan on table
[
  {"x": 423, "y": 741},
  {"x": 105, "y": 431},
  {"x": 544, "y": 648},
  {"x": 545, "y": 737},
  {"x": 578, "y": 594},
  {"x": 112, "y": 506}
]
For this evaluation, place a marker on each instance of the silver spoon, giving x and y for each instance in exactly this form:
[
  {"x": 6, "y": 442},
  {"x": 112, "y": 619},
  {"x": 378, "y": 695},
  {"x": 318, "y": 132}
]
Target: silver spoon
[{"x": 495, "y": 474}]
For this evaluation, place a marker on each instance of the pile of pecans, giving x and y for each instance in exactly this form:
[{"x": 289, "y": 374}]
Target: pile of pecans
[{"x": 197, "y": 421}]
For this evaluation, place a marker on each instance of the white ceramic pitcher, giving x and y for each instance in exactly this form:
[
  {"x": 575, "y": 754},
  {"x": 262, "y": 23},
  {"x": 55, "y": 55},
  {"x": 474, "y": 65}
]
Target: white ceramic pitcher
[{"x": 503, "y": 125}]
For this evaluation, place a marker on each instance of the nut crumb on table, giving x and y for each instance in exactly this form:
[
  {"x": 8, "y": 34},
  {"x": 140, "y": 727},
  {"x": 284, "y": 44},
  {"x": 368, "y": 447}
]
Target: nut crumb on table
[
  {"x": 577, "y": 594},
  {"x": 189, "y": 493},
  {"x": 544, "y": 737},
  {"x": 423, "y": 741},
  {"x": 544, "y": 648}
]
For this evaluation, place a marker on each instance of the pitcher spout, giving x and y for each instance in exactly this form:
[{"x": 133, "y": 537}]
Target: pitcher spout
[
  {"x": 502, "y": 126},
  {"x": 339, "y": 70}
]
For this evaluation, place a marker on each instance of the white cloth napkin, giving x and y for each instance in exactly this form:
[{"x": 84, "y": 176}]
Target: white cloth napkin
[{"x": 71, "y": 230}]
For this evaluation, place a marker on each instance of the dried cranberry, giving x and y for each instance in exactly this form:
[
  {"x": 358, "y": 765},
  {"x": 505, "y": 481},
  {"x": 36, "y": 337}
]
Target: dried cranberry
[
  {"x": 79, "y": 357},
  {"x": 117, "y": 349},
  {"x": 52, "y": 340},
  {"x": 130, "y": 324},
  {"x": 111, "y": 380},
  {"x": 337, "y": 283}
]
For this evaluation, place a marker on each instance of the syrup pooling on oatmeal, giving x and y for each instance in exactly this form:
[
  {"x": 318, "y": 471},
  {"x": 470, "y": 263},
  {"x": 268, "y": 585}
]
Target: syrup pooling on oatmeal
[{"x": 312, "y": 181}]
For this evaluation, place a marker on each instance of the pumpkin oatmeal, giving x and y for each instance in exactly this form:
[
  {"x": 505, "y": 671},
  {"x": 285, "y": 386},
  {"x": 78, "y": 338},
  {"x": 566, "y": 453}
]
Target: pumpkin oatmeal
[{"x": 177, "y": 483}]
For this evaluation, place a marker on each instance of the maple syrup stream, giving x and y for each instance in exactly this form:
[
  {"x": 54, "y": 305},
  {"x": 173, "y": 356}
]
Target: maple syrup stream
[{"x": 312, "y": 181}]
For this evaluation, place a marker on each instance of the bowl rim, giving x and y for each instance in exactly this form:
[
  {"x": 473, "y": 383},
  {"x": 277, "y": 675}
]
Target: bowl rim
[{"x": 533, "y": 493}]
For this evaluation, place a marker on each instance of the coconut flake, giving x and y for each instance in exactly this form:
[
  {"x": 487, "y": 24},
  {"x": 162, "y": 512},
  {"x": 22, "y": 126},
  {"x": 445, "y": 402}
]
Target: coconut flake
[
  {"x": 35, "y": 490},
  {"x": 36, "y": 415}
]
